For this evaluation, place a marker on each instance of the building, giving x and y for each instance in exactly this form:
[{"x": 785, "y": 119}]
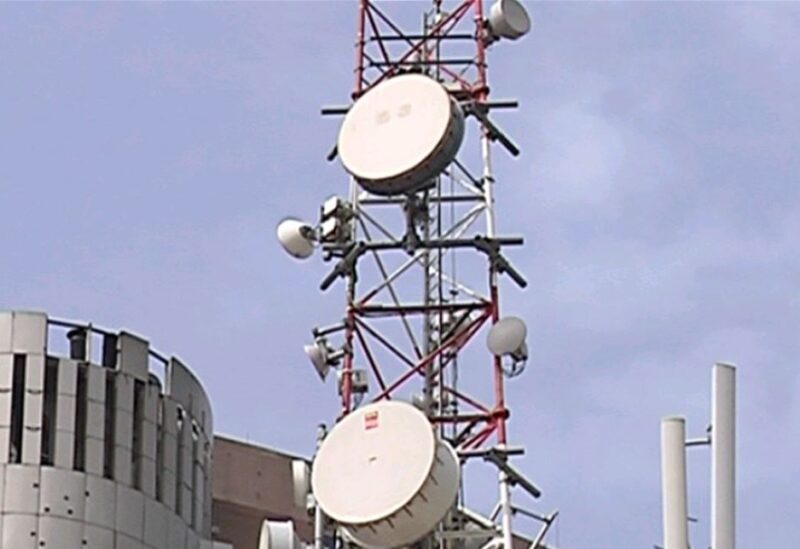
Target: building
[
  {"x": 106, "y": 445},
  {"x": 253, "y": 483}
]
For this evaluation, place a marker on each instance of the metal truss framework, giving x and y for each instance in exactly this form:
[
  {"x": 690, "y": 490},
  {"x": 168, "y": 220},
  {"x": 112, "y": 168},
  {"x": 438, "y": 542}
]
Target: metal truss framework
[
  {"x": 396, "y": 243},
  {"x": 452, "y": 320}
]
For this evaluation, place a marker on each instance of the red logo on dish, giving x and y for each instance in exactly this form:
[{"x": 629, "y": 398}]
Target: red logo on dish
[{"x": 371, "y": 420}]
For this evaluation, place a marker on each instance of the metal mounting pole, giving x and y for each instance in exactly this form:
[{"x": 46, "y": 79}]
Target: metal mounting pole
[
  {"x": 673, "y": 482},
  {"x": 319, "y": 516},
  {"x": 723, "y": 457},
  {"x": 506, "y": 510}
]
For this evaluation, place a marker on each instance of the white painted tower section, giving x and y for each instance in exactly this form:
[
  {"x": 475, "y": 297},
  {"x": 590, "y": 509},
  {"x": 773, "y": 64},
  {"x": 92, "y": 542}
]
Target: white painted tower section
[
  {"x": 673, "y": 480},
  {"x": 723, "y": 457}
]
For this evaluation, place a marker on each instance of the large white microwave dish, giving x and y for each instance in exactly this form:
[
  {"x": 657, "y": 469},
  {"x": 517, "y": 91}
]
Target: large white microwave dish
[
  {"x": 401, "y": 134},
  {"x": 384, "y": 475}
]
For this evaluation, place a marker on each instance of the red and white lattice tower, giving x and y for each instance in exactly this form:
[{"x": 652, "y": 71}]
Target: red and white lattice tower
[{"x": 421, "y": 262}]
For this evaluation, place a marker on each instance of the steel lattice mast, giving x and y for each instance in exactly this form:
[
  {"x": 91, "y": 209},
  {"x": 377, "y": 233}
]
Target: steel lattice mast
[
  {"x": 460, "y": 190},
  {"x": 421, "y": 270}
]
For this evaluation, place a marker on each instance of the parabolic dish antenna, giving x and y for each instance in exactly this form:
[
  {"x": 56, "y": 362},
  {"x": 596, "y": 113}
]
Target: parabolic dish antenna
[
  {"x": 295, "y": 237},
  {"x": 509, "y": 19},
  {"x": 384, "y": 475},
  {"x": 401, "y": 134},
  {"x": 276, "y": 534},
  {"x": 507, "y": 336}
]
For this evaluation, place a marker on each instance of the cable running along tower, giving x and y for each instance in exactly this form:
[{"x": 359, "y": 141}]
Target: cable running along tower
[{"x": 414, "y": 246}]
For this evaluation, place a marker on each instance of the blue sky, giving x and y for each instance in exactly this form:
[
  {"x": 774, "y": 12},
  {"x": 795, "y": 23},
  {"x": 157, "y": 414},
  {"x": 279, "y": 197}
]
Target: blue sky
[{"x": 147, "y": 152}]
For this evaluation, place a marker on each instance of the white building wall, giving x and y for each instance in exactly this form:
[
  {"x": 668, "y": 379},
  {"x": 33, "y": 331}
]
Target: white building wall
[{"x": 87, "y": 472}]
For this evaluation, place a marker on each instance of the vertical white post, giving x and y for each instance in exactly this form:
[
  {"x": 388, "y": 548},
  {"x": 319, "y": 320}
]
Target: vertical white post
[
  {"x": 319, "y": 525},
  {"x": 723, "y": 457},
  {"x": 673, "y": 483},
  {"x": 507, "y": 512},
  {"x": 319, "y": 516}
]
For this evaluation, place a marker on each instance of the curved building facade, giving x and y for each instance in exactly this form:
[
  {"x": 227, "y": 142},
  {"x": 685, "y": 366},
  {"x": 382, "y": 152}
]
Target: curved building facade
[{"x": 104, "y": 443}]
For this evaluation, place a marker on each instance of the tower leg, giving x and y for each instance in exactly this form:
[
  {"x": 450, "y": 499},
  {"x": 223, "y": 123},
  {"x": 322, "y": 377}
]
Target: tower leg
[{"x": 506, "y": 511}]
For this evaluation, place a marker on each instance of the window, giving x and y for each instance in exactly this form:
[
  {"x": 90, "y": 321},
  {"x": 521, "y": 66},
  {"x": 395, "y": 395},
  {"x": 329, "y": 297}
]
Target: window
[
  {"x": 160, "y": 451},
  {"x": 49, "y": 410},
  {"x": 179, "y": 462},
  {"x": 137, "y": 444},
  {"x": 81, "y": 404},
  {"x": 17, "y": 410},
  {"x": 110, "y": 418}
]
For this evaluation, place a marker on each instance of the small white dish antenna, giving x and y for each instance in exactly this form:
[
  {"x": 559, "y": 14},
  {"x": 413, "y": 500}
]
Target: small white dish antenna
[
  {"x": 507, "y": 338},
  {"x": 509, "y": 19},
  {"x": 318, "y": 355},
  {"x": 277, "y": 534},
  {"x": 322, "y": 356},
  {"x": 296, "y": 237}
]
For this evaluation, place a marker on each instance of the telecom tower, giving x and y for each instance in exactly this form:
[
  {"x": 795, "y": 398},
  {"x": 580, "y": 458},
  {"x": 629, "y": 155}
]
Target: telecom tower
[{"x": 414, "y": 246}]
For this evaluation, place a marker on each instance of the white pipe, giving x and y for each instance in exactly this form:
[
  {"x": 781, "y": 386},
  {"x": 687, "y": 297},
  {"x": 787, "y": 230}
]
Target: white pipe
[
  {"x": 673, "y": 483},
  {"x": 723, "y": 457},
  {"x": 319, "y": 526},
  {"x": 319, "y": 516},
  {"x": 488, "y": 182},
  {"x": 506, "y": 510}
]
